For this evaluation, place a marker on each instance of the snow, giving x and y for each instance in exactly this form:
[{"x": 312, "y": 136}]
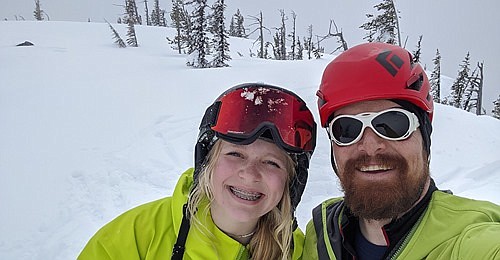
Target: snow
[{"x": 89, "y": 130}]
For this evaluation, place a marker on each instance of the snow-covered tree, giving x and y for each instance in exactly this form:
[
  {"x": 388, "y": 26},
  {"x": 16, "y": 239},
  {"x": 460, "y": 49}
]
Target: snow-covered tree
[
  {"x": 469, "y": 100},
  {"x": 181, "y": 21},
  {"x": 435, "y": 79},
  {"x": 300, "y": 50},
  {"x": 158, "y": 15},
  {"x": 146, "y": 10},
  {"x": 418, "y": 51},
  {"x": 384, "y": 26},
  {"x": 308, "y": 42},
  {"x": 282, "y": 37},
  {"x": 276, "y": 46},
  {"x": 460, "y": 84},
  {"x": 131, "y": 36},
  {"x": 237, "y": 28},
  {"x": 200, "y": 47},
  {"x": 131, "y": 13},
  {"x": 496, "y": 108},
  {"x": 38, "y": 13},
  {"x": 116, "y": 36},
  {"x": 220, "y": 43},
  {"x": 293, "y": 46},
  {"x": 473, "y": 94}
]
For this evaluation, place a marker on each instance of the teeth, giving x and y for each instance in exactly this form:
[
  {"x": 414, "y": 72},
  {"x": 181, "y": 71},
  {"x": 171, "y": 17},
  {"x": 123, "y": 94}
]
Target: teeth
[
  {"x": 246, "y": 195},
  {"x": 371, "y": 168}
]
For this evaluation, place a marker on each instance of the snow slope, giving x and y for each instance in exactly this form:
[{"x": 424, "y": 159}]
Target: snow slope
[{"x": 88, "y": 130}]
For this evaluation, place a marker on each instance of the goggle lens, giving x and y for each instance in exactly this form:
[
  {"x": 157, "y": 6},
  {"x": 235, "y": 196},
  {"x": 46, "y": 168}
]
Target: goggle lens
[
  {"x": 245, "y": 113},
  {"x": 392, "y": 124}
]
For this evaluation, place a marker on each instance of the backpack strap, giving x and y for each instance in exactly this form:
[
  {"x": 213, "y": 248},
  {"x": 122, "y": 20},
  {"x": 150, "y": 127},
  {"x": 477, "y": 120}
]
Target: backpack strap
[{"x": 179, "y": 247}]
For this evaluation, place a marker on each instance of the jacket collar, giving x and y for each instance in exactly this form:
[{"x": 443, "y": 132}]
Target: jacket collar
[{"x": 395, "y": 231}]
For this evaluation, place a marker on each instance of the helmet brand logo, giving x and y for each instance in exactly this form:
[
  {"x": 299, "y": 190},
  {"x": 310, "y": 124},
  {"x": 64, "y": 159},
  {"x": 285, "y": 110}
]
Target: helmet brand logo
[{"x": 391, "y": 64}]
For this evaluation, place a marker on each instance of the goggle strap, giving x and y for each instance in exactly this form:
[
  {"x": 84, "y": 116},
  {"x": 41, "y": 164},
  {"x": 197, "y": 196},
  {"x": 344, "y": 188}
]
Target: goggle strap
[{"x": 211, "y": 114}]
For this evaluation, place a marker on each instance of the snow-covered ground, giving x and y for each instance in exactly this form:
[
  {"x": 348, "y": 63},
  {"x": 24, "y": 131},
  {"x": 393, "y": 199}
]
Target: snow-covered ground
[{"x": 88, "y": 130}]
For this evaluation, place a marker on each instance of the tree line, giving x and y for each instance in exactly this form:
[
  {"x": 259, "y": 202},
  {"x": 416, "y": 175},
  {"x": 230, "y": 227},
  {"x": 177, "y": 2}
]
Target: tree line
[{"x": 201, "y": 34}]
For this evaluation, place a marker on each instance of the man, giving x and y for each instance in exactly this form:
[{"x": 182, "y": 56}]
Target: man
[{"x": 375, "y": 104}]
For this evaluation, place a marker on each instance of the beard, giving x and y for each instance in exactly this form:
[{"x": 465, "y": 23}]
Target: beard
[{"x": 385, "y": 199}]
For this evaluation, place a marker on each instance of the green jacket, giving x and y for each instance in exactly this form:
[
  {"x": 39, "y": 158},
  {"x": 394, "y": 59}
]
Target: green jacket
[
  {"x": 150, "y": 232},
  {"x": 450, "y": 227}
]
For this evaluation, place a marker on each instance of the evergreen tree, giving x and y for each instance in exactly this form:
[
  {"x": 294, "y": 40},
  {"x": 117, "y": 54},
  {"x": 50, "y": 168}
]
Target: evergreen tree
[
  {"x": 293, "y": 46},
  {"x": 182, "y": 23},
  {"x": 282, "y": 37},
  {"x": 308, "y": 42},
  {"x": 163, "y": 20},
  {"x": 116, "y": 36},
  {"x": 460, "y": 84},
  {"x": 146, "y": 10},
  {"x": 232, "y": 26},
  {"x": 473, "y": 94},
  {"x": 383, "y": 27},
  {"x": 435, "y": 80},
  {"x": 220, "y": 43},
  {"x": 237, "y": 28},
  {"x": 496, "y": 108},
  {"x": 199, "y": 48},
  {"x": 38, "y": 11},
  {"x": 480, "y": 110},
  {"x": 418, "y": 51},
  {"x": 131, "y": 14},
  {"x": 276, "y": 46},
  {"x": 300, "y": 50},
  {"x": 131, "y": 36},
  {"x": 158, "y": 15},
  {"x": 470, "y": 94},
  {"x": 240, "y": 25}
]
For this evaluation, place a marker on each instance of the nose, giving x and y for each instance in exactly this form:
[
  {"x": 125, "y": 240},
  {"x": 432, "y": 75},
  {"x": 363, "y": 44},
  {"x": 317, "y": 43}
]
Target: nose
[
  {"x": 250, "y": 172},
  {"x": 371, "y": 143}
]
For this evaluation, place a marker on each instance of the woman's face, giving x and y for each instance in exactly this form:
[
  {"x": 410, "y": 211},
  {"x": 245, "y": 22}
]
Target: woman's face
[{"x": 248, "y": 181}]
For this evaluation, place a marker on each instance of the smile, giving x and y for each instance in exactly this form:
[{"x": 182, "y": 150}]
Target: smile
[
  {"x": 245, "y": 195},
  {"x": 374, "y": 168}
]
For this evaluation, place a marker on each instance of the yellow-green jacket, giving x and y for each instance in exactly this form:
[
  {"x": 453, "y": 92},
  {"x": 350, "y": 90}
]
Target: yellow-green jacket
[
  {"x": 150, "y": 232},
  {"x": 451, "y": 227}
]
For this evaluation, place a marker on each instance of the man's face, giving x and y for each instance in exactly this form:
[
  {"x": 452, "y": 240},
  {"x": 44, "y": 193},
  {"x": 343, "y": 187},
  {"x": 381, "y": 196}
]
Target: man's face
[{"x": 381, "y": 179}]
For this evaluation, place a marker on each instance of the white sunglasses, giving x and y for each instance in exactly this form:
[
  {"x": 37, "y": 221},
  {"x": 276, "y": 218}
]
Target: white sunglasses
[{"x": 392, "y": 124}]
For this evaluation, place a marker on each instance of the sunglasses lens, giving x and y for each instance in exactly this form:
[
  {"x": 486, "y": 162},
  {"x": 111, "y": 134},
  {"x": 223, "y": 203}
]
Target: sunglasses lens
[
  {"x": 346, "y": 129},
  {"x": 391, "y": 124}
]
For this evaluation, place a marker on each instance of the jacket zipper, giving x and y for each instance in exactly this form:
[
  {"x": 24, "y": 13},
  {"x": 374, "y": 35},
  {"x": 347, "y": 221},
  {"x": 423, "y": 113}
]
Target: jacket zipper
[{"x": 406, "y": 240}]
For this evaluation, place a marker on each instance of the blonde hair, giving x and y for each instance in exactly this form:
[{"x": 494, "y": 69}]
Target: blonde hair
[{"x": 273, "y": 237}]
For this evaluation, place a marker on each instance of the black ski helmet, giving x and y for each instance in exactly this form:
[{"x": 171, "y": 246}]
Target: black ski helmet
[{"x": 248, "y": 111}]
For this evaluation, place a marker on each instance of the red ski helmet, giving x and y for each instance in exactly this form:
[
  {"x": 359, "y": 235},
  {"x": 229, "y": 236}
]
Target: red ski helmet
[{"x": 373, "y": 71}]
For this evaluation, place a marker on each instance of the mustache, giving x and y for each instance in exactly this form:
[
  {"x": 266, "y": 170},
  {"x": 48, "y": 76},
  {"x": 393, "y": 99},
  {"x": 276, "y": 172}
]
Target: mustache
[{"x": 394, "y": 161}]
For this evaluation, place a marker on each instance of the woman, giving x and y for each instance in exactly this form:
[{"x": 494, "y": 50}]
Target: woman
[{"x": 251, "y": 163}]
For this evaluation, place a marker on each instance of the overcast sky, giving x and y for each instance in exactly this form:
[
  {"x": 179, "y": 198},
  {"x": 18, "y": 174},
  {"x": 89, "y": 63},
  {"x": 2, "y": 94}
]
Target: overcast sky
[{"x": 454, "y": 27}]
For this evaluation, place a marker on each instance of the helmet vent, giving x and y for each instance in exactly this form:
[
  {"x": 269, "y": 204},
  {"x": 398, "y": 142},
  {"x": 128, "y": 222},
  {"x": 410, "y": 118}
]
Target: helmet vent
[{"x": 415, "y": 82}]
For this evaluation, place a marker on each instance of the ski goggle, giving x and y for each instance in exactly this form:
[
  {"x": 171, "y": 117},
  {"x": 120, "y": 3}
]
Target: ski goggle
[
  {"x": 243, "y": 114},
  {"x": 392, "y": 124}
]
